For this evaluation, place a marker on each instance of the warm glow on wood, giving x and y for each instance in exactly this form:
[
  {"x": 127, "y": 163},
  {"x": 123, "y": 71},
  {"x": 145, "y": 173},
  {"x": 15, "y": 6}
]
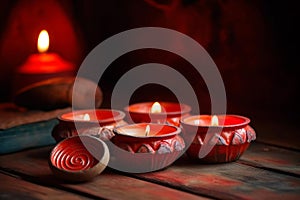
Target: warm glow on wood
[
  {"x": 214, "y": 121},
  {"x": 43, "y": 41},
  {"x": 147, "y": 130},
  {"x": 156, "y": 108},
  {"x": 86, "y": 117}
]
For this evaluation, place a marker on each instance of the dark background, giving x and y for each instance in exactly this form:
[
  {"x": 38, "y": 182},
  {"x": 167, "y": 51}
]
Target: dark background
[{"x": 254, "y": 44}]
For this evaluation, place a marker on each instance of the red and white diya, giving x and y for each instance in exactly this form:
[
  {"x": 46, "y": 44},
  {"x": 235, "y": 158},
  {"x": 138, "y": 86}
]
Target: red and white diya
[
  {"x": 98, "y": 123},
  {"x": 145, "y": 147},
  {"x": 157, "y": 112},
  {"x": 226, "y": 136}
]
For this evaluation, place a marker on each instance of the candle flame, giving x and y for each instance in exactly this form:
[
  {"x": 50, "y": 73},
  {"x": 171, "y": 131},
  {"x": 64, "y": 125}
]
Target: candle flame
[
  {"x": 156, "y": 108},
  {"x": 215, "y": 121},
  {"x": 43, "y": 41},
  {"x": 86, "y": 117},
  {"x": 197, "y": 122},
  {"x": 147, "y": 130}
]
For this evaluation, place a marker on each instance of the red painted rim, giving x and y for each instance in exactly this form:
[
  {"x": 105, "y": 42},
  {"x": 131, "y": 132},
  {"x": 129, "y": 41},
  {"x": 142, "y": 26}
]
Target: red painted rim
[
  {"x": 238, "y": 121},
  {"x": 161, "y": 127},
  {"x": 103, "y": 116},
  {"x": 171, "y": 108}
]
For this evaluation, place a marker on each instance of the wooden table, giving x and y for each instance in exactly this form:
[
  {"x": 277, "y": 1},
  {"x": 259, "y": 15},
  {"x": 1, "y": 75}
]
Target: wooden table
[{"x": 263, "y": 172}]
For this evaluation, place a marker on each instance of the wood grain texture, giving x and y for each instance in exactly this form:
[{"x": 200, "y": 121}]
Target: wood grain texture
[
  {"x": 27, "y": 136},
  {"x": 32, "y": 165},
  {"x": 15, "y": 188},
  {"x": 14, "y": 116},
  {"x": 236, "y": 180},
  {"x": 227, "y": 181},
  {"x": 270, "y": 157}
]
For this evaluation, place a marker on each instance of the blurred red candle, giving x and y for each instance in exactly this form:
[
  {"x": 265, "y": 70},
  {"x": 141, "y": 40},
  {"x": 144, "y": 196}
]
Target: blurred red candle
[
  {"x": 42, "y": 66},
  {"x": 157, "y": 112}
]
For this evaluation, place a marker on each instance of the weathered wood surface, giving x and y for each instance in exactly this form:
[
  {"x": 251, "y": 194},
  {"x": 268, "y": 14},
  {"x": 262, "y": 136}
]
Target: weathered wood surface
[
  {"x": 272, "y": 158},
  {"x": 227, "y": 181},
  {"x": 263, "y": 172},
  {"x": 256, "y": 174},
  {"x": 32, "y": 165},
  {"x": 15, "y": 188},
  {"x": 27, "y": 136}
]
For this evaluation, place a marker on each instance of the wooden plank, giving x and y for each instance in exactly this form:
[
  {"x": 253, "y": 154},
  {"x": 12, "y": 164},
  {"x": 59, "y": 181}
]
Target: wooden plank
[
  {"x": 226, "y": 181},
  {"x": 32, "y": 165},
  {"x": 27, "y": 136},
  {"x": 21, "y": 128},
  {"x": 270, "y": 157},
  {"x": 14, "y": 188}
]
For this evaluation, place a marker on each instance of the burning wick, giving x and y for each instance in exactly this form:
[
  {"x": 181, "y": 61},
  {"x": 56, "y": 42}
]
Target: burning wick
[
  {"x": 86, "y": 117},
  {"x": 43, "y": 41},
  {"x": 197, "y": 122},
  {"x": 156, "y": 108},
  {"x": 147, "y": 130},
  {"x": 215, "y": 121}
]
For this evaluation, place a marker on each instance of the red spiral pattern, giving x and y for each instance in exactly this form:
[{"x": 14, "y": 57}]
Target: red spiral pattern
[{"x": 72, "y": 155}]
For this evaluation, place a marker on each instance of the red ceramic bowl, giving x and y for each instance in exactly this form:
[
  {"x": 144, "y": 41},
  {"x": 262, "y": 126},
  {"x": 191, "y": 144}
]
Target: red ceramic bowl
[
  {"x": 171, "y": 113},
  {"x": 217, "y": 144},
  {"x": 133, "y": 151},
  {"x": 99, "y": 123},
  {"x": 79, "y": 158}
]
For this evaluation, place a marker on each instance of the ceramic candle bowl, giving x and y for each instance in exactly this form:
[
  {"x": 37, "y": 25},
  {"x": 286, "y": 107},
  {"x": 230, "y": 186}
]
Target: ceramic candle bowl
[
  {"x": 79, "y": 158},
  {"x": 98, "y": 123},
  {"x": 138, "y": 150},
  {"x": 234, "y": 138},
  {"x": 169, "y": 112}
]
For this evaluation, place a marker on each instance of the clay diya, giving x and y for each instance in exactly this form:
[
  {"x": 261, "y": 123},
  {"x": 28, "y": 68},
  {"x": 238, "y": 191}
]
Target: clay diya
[
  {"x": 98, "y": 123},
  {"x": 79, "y": 158},
  {"x": 145, "y": 147},
  {"x": 157, "y": 112},
  {"x": 217, "y": 139}
]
